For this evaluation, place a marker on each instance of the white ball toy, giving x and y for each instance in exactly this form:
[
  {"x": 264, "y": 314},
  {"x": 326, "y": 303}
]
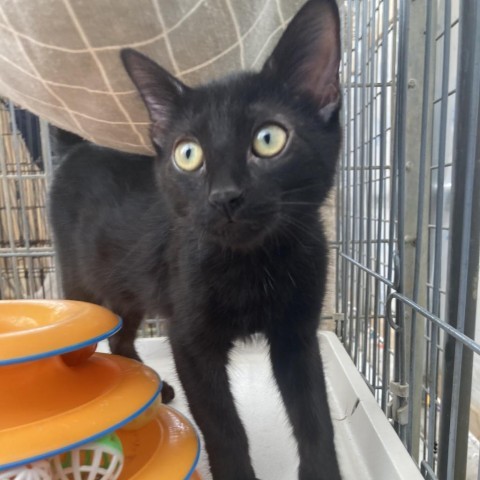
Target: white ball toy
[
  {"x": 98, "y": 460},
  {"x": 39, "y": 470}
]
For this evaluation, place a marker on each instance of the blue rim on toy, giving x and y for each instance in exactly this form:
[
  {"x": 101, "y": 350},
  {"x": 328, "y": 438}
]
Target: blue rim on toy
[
  {"x": 89, "y": 439},
  {"x": 61, "y": 351}
]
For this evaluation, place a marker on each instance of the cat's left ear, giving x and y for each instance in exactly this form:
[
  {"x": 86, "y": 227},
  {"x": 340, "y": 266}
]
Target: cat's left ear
[
  {"x": 159, "y": 89},
  {"x": 307, "y": 56}
]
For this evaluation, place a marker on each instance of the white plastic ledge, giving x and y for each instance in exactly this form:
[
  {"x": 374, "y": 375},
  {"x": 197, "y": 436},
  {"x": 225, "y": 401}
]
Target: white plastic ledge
[
  {"x": 367, "y": 445},
  {"x": 376, "y": 452}
]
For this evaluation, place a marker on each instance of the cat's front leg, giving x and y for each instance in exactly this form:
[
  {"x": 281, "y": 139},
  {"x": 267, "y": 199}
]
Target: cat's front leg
[
  {"x": 201, "y": 366},
  {"x": 298, "y": 369}
]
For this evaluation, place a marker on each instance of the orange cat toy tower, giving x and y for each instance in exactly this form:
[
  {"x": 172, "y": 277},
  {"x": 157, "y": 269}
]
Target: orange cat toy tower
[{"x": 69, "y": 413}]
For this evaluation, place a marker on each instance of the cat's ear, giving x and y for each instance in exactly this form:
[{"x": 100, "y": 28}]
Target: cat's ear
[
  {"x": 307, "y": 56},
  {"x": 159, "y": 89}
]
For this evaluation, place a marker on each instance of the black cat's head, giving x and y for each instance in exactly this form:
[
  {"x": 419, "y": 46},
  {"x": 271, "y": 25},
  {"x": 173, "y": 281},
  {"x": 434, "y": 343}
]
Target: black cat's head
[{"x": 250, "y": 155}]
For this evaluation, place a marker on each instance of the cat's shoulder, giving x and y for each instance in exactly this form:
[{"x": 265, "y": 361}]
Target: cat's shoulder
[{"x": 87, "y": 159}]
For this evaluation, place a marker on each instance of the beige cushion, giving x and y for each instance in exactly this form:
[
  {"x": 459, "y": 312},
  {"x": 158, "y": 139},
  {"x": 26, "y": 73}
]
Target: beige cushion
[{"x": 60, "y": 58}]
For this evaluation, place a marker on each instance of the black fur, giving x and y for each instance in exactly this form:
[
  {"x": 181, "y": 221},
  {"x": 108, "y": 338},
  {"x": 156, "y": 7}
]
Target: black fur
[{"x": 233, "y": 248}]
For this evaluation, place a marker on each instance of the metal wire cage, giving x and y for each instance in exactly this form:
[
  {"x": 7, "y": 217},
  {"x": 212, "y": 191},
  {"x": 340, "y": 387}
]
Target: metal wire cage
[
  {"x": 407, "y": 233},
  {"x": 26, "y": 253}
]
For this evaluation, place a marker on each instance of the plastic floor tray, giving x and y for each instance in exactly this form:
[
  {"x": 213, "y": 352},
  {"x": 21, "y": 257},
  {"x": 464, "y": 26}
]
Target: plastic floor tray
[{"x": 367, "y": 445}]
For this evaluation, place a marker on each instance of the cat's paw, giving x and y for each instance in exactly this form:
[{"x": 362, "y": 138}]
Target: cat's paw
[{"x": 168, "y": 393}]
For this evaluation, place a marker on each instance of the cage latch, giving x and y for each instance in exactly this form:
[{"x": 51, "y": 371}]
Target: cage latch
[
  {"x": 398, "y": 406},
  {"x": 339, "y": 324}
]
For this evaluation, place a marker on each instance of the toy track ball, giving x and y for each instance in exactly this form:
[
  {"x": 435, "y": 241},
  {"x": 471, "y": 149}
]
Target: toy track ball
[
  {"x": 31, "y": 471},
  {"x": 146, "y": 417},
  {"x": 98, "y": 460}
]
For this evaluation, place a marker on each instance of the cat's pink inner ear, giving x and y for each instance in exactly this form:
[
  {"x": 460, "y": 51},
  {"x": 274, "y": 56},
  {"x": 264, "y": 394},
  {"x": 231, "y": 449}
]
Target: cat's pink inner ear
[
  {"x": 319, "y": 75},
  {"x": 158, "y": 88},
  {"x": 307, "y": 57}
]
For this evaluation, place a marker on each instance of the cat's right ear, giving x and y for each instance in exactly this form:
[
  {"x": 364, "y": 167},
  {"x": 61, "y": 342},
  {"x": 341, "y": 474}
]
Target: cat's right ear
[
  {"x": 307, "y": 56},
  {"x": 159, "y": 89}
]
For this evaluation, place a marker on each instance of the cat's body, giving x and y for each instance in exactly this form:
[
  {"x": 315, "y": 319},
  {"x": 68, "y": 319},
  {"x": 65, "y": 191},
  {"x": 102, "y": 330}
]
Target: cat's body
[
  {"x": 218, "y": 234},
  {"x": 123, "y": 250}
]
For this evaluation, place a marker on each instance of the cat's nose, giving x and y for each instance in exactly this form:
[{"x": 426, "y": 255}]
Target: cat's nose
[{"x": 226, "y": 199}]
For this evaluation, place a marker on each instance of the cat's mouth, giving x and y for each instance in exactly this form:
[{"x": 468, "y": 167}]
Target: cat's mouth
[{"x": 240, "y": 234}]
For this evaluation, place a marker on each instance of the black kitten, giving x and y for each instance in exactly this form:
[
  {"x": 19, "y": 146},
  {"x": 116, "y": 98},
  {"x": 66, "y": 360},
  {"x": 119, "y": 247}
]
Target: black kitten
[{"x": 219, "y": 232}]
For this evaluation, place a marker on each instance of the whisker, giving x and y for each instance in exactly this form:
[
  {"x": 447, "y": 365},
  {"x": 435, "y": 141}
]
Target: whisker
[
  {"x": 301, "y": 227},
  {"x": 300, "y": 203},
  {"x": 294, "y": 237},
  {"x": 303, "y": 188}
]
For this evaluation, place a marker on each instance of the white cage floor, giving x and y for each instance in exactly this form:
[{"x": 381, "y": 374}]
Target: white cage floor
[{"x": 367, "y": 445}]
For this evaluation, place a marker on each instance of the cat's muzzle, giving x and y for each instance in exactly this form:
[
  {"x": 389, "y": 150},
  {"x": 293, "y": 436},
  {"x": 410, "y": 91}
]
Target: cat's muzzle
[{"x": 240, "y": 235}]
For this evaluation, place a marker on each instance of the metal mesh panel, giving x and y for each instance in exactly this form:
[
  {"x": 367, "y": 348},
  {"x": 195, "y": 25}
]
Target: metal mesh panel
[
  {"x": 26, "y": 253},
  {"x": 405, "y": 219}
]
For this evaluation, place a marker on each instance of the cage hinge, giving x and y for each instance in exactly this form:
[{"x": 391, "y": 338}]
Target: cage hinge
[
  {"x": 339, "y": 322},
  {"x": 398, "y": 406}
]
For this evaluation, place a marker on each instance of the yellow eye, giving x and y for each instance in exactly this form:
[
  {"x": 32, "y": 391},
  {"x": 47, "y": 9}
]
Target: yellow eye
[
  {"x": 188, "y": 155},
  {"x": 269, "y": 141}
]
